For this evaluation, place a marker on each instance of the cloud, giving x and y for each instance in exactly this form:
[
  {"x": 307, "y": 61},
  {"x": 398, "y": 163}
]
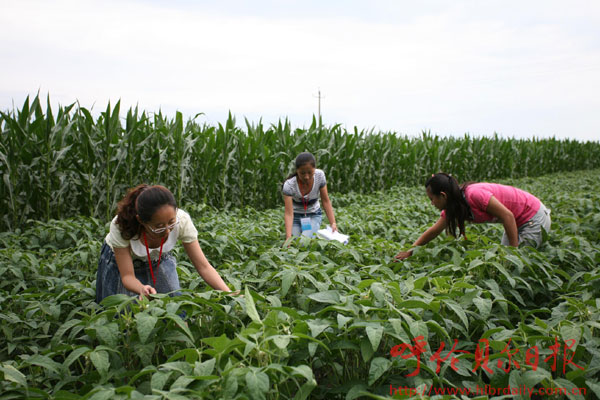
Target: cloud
[{"x": 466, "y": 67}]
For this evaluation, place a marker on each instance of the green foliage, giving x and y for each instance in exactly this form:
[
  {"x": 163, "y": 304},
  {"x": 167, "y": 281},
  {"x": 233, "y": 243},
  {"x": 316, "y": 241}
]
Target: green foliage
[
  {"x": 316, "y": 320},
  {"x": 69, "y": 163}
]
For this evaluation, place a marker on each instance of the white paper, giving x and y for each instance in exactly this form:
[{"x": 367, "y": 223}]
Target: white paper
[{"x": 329, "y": 235}]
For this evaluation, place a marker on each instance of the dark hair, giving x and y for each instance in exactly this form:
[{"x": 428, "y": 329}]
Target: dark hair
[
  {"x": 457, "y": 208},
  {"x": 303, "y": 159},
  {"x": 143, "y": 201}
]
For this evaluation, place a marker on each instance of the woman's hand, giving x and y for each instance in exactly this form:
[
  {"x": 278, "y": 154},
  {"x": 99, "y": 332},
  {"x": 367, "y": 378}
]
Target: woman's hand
[
  {"x": 328, "y": 208},
  {"x": 146, "y": 290},
  {"x": 205, "y": 270},
  {"x": 426, "y": 237},
  {"x": 287, "y": 243},
  {"x": 403, "y": 255}
]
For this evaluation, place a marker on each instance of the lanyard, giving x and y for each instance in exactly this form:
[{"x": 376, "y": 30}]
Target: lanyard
[
  {"x": 159, "y": 256},
  {"x": 304, "y": 201}
]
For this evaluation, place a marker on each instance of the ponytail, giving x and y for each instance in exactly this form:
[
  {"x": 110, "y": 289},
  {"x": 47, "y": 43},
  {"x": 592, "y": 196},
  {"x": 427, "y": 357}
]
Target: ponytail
[
  {"x": 143, "y": 201},
  {"x": 457, "y": 208}
]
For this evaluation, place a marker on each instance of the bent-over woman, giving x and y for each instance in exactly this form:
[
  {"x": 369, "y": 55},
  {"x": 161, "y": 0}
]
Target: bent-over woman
[
  {"x": 522, "y": 214},
  {"x": 301, "y": 192},
  {"x": 136, "y": 255}
]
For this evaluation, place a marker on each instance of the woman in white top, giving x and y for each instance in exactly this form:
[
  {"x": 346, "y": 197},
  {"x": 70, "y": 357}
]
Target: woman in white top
[
  {"x": 135, "y": 258},
  {"x": 301, "y": 192}
]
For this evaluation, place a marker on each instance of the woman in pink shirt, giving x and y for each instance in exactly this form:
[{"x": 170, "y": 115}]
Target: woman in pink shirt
[{"x": 522, "y": 214}]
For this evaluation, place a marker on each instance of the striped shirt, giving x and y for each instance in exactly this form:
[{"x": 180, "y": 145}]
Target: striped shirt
[{"x": 290, "y": 188}]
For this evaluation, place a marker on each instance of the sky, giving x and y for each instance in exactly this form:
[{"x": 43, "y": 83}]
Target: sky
[{"x": 517, "y": 68}]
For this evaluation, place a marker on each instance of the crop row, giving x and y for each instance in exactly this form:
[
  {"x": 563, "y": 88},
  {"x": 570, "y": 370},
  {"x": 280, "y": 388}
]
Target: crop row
[{"x": 68, "y": 163}]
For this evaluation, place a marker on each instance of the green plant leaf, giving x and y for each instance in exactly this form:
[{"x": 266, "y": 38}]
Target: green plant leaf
[
  {"x": 379, "y": 366},
  {"x": 257, "y": 383},
  {"x": 100, "y": 361},
  {"x": 205, "y": 368},
  {"x": 74, "y": 355},
  {"x": 374, "y": 334},
  {"x": 484, "y": 306},
  {"x": 145, "y": 325},
  {"x": 13, "y": 375},
  {"x": 250, "y": 307},
  {"x": 317, "y": 326},
  {"x": 45, "y": 362},
  {"x": 328, "y": 296}
]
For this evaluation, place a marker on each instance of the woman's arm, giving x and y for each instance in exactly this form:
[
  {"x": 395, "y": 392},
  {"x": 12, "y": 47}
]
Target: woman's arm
[
  {"x": 498, "y": 210},
  {"x": 427, "y": 236},
  {"x": 206, "y": 271},
  {"x": 125, "y": 265},
  {"x": 328, "y": 208},
  {"x": 288, "y": 216}
]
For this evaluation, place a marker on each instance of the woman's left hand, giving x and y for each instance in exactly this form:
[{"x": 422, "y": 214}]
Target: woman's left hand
[
  {"x": 403, "y": 255},
  {"x": 333, "y": 227}
]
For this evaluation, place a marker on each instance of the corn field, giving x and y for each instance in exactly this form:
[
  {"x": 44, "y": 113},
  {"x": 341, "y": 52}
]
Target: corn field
[{"x": 57, "y": 164}]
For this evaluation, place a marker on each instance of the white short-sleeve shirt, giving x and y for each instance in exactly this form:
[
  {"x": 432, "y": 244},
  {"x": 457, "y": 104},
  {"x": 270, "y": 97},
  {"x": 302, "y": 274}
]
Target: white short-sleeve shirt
[
  {"x": 290, "y": 188},
  {"x": 184, "y": 231}
]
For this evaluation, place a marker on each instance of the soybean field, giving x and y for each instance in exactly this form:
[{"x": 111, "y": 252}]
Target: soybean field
[{"x": 318, "y": 320}]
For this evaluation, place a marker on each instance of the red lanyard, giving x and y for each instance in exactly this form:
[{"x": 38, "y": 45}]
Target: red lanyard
[
  {"x": 304, "y": 201},
  {"x": 159, "y": 256}
]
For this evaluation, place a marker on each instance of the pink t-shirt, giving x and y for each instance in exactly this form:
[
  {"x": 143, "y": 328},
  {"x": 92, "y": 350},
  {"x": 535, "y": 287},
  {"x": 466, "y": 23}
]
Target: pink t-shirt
[{"x": 522, "y": 204}]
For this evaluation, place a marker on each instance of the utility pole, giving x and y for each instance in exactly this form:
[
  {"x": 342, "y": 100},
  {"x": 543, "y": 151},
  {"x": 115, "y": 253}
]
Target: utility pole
[{"x": 319, "y": 109}]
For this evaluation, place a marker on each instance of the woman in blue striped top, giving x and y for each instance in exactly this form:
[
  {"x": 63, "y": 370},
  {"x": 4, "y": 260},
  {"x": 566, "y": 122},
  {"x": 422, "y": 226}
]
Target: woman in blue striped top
[{"x": 301, "y": 192}]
